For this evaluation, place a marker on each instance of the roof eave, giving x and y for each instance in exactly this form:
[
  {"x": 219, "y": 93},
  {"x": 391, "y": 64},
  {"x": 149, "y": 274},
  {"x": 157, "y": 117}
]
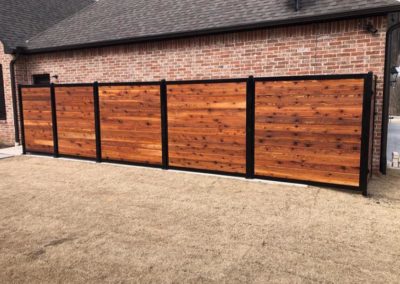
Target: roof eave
[
  {"x": 236, "y": 28},
  {"x": 7, "y": 48}
]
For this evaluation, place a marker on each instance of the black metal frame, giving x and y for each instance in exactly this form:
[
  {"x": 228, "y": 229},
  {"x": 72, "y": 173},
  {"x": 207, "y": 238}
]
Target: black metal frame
[
  {"x": 72, "y": 157},
  {"x": 54, "y": 120},
  {"x": 164, "y": 124},
  {"x": 305, "y": 182},
  {"x": 72, "y": 85},
  {"x": 312, "y": 77},
  {"x": 203, "y": 171},
  {"x": 131, "y": 163},
  {"x": 366, "y": 116},
  {"x": 35, "y": 86},
  {"x": 250, "y": 125},
  {"x": 374, "y": 116},
  {"x": 150, "y": 83},
  {"x": 96, "y": 105},
  {"x": 3, "y": 112},
  {"x": 25, "y": 150},
  {"x": 36, "y": 153},
  {"x": 53, "y": 117},
  {"x": 366, "y": 127},
  {"x": 207, "y": 81}
]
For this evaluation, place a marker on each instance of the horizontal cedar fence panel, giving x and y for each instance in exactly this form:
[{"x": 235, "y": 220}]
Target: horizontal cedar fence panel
[
  {"x": 37, "y": 119},
  {"x": 309, "y": 130},
  {"x": 207, "y": 126},
  {"x": 75, "y": 121},
  {"x": 130, "y": 119},
  {"x": 315, "y": 129}
]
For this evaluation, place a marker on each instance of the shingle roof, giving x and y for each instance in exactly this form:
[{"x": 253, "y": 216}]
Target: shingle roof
[
  {"x": 22, "y": 19},
  {"x": 107, "y": 21}
]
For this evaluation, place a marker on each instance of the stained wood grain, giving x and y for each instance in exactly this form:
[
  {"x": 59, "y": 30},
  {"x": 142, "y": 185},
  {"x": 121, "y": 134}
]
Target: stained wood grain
[
  {"x": 37, "y": 120},
  {"x": 309, "y": 130},
  {"x": 304, "y": 130},
  {"x": 207, "y": 126},
  {"x": 131, "y": 123},
  {"x": 75, "y": 121}
]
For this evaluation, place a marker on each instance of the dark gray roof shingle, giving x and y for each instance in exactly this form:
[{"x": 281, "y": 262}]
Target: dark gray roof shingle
[
  {"x": 22, "y": 19},
  {"x": 110, "y": 20},
  {"x": 117, "y": 20}
]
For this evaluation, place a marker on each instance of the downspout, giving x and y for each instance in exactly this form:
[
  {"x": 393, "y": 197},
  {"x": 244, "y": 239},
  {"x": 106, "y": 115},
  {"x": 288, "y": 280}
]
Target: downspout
[
  {"x": 14, "y": 95},
  {"x": 296, "y": 5},
  {"x": 386, "y": 99}
]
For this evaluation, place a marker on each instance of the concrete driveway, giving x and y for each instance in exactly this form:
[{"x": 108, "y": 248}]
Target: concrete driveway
[
  {"x": 10, "y": 152},
  {"x": 78, "y": 222},
  {"x": 393, "y": 138}
]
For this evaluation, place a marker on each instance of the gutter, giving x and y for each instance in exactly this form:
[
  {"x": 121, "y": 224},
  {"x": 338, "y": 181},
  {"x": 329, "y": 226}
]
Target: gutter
[
  {"x": 14, "y": 95},
  {"x": 227, "y": 29}
]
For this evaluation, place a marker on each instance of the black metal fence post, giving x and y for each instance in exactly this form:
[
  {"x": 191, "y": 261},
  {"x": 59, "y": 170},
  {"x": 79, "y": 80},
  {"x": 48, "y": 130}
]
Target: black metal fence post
[
  {"x": 54, "y": 120},
  {"x": 250, "y": 124},
  {"x": 164, "y": 124},
  {"x": 365, "y": 135},
  {"x": 97, "y": 121},
  {"x": 21, "y": 117}
]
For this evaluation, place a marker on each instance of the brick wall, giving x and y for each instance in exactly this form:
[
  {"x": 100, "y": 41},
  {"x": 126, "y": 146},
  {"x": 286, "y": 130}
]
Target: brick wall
[
  {"x": 7, "y": 126},
  {"x": 330, "y": 48}
]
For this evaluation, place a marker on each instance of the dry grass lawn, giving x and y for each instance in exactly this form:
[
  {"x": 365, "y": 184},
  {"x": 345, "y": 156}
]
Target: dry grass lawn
[{"x": 68, "y": 221}]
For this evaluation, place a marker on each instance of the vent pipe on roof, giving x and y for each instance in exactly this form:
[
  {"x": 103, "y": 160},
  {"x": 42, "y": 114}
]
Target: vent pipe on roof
[{"x": 296, "y": 5}]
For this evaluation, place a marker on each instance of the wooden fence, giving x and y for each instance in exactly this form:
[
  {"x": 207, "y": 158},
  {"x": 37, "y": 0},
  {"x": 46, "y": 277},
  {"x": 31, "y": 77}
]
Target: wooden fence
[{"x": 311, "y": 129}]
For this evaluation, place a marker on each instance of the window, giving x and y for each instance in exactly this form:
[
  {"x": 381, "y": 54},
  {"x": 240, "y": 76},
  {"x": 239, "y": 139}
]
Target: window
[
  {"x": 41, "y": 79},
  {"x": 2, "y": 96}
]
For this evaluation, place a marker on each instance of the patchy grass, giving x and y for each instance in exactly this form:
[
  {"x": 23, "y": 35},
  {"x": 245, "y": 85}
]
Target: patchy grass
[{"x": 69, "y": 221}]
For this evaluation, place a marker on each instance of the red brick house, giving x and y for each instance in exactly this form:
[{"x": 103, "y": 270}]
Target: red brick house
[{"x": 118, "y": 41}]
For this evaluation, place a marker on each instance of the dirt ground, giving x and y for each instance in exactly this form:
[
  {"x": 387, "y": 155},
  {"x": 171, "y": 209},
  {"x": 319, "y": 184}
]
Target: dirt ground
[{"x": 70, "y": 221}]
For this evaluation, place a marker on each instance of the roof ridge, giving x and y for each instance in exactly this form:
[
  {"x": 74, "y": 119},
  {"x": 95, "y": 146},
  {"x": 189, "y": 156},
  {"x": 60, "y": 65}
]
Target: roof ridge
[{"x": 66, "y": 18}]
